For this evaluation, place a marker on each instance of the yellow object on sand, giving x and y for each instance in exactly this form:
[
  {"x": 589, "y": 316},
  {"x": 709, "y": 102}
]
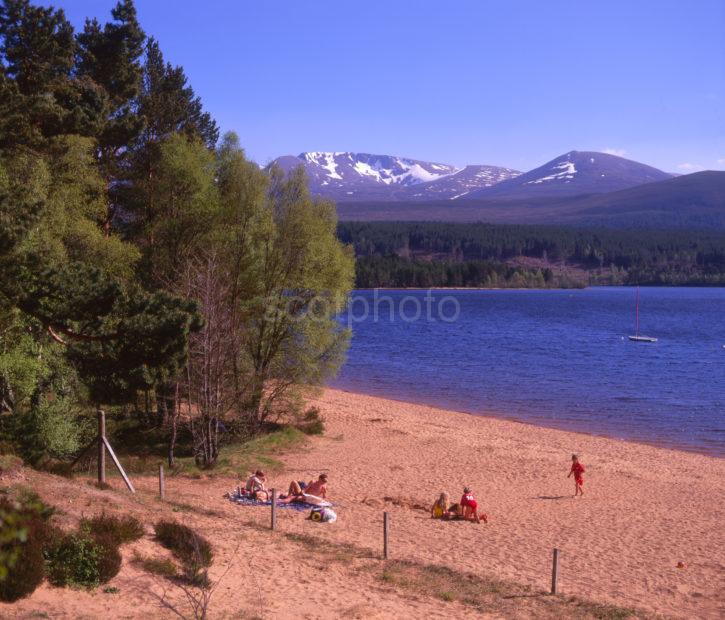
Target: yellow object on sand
[{"x": 438, "y": 512}]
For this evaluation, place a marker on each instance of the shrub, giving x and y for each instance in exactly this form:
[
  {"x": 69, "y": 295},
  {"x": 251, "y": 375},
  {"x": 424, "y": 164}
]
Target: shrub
[
  {"x": 193, "y": 551},
  {"x": 85, "y": 558},
  {"x": 24, "y": 532},
  {"x": 312, "y": 422},
  {"x": 10, "y": 462},
  {"x": 109, "y": 556},
  {"x": 123, "y": 529},
  {"x": 72, "y": 560}
]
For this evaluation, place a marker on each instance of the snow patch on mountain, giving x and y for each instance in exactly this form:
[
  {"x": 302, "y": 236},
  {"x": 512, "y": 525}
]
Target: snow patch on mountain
[
  {"x": 361, "y": 176},
  {"x": 567, "y": 171}
]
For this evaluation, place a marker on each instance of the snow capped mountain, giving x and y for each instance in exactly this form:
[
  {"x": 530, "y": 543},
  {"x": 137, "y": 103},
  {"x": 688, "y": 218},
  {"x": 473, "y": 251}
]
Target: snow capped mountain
[
  {"x": 574, "y": 173},
  {"x": 462, "y": 183},
  {"x": 361, "y": 176},
  {"x": 383, "y": 169}
]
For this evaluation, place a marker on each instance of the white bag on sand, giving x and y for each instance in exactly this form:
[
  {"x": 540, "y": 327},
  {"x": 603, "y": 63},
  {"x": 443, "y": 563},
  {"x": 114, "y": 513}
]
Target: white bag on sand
[{"x": 323, "y": 515}]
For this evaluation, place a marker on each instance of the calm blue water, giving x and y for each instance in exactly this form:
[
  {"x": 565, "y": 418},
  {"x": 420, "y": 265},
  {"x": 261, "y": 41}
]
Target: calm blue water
[{"x": 555, "y": 358}]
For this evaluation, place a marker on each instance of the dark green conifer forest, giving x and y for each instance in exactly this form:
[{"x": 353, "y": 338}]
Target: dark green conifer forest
[{"x": 425, "y": 254}]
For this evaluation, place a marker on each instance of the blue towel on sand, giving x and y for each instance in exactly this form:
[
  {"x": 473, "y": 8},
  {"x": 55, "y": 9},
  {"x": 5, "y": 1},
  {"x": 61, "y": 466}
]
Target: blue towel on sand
[{"x": 248, "y": 501}]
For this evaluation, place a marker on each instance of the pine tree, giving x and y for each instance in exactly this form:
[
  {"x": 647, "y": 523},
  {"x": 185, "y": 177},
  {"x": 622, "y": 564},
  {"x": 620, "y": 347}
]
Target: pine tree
[
  {"x": 110, "y": 57},
  {"x": 39, "y": 95},
  {"x": 168, "y": 104}
]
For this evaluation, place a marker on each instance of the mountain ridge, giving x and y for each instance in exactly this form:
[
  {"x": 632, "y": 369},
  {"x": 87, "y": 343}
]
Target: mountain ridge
[
  {"x": 575, "y": 173},
  {"x": 346, "y": 176},
  {"x": 694, "y": 200}
]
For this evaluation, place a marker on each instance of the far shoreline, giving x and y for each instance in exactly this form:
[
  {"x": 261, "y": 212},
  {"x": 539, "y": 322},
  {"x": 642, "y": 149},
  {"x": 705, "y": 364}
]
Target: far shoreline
[
  {"x": 500, "y": 416},
  {"x": 552, "y": 288}
]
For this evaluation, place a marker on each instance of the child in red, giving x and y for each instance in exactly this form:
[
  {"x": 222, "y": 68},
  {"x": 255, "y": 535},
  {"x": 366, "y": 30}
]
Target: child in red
[
  {"x": 469, "y": 506},
  {"x": 577, "y": 469}
]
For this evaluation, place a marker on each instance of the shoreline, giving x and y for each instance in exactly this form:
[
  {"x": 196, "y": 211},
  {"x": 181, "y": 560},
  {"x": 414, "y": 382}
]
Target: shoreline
[
  {"x": 645, "y": 509},
  {"x": 498, "y": 415},
  {"x": 528, "y": 288},
  {"x": 647, "y": 535}
]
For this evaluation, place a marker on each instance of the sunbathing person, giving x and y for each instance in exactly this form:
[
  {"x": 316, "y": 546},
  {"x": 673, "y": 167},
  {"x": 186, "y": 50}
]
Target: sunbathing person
[
  {"x": 318, "y": 488},
  {"x": 294, "y": 493},
  {"x": 256, "y": 488},
  {"x": 312, "y": 493}
]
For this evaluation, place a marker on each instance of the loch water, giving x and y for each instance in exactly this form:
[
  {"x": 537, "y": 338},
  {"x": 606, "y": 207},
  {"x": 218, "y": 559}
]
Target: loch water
[{"x": 557, "y": 358}]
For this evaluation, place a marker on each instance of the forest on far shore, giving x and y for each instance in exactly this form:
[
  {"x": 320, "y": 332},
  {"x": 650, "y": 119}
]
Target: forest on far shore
[{"x": 440, "y": 254}]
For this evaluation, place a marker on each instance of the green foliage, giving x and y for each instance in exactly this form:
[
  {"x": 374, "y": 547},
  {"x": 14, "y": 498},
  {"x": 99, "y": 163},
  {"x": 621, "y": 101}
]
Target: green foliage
[
  {"x": 37, "y": 48},
  {"x": 73, "y": 560},
  {"x": 21, "y": 366},
  {"x": 191, "y": 549},
  {"x": 176, "y": 206},
  {"x": 24, "y": 531},
  {"x": 119, "y": 223},
  {"x": 49, "y": 429},
  {"x": 110, "y": 56},
  {"x": 120, "y": 529},
  {"x": 168, "y": 104},
  {"x": 85, "y": 558},
  {"x": 292, "y": 276}
]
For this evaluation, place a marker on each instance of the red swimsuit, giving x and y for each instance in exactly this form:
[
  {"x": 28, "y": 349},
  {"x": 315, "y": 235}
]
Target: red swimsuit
[
  {"x": 469, "y": 500},
  {"x": 578, "y": 469}
]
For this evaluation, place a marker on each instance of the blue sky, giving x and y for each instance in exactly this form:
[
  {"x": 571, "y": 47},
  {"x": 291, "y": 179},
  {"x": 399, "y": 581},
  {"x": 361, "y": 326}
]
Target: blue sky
[{"x": 512, "y": 83}]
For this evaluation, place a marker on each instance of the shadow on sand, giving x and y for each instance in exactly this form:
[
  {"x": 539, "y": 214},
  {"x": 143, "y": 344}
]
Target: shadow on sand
[{"x": 552, "y": 497}]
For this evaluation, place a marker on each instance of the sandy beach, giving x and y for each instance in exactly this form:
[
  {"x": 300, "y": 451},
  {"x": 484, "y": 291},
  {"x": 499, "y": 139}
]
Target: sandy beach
[{"x": 645, "y": 509}]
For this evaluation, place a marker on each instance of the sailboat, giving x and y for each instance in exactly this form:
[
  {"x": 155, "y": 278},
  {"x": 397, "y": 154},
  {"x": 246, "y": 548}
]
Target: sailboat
[{"x": 637, "y": 337}]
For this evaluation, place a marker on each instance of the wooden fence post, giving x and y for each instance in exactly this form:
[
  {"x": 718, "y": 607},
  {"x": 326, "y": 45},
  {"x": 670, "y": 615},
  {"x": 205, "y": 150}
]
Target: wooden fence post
[
  {"x": 162, "y": 482},
  {"x": 554, "y": 570},
  {"x": 274, "y": 509},
  {"x": 386, "y": 533},
  {"x": 101, "y": 447}
]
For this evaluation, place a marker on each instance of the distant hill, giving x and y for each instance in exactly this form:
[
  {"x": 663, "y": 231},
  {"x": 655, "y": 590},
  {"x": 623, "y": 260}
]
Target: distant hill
[
  {"x": 696, "y": 199},
  {"x": 348, "y": 177},
  {"x": 574, "y": 173},
  {"x": 693, "y": 200}
]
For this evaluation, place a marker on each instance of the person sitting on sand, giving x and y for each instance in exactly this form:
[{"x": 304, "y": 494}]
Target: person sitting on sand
[
  {"x": 469, "y": 507},
  {"x": 577, "y": 469},
  {"x": 440, "y": 506},
  {"x": 318, "y": 488},
  {"x": 313, "y": 493},
  {"x": 256, "y": 488}
]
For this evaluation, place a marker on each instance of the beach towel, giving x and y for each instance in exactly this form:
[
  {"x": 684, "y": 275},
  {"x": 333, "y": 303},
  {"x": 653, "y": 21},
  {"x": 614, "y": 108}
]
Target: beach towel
[{"x": 246, "y": 500}]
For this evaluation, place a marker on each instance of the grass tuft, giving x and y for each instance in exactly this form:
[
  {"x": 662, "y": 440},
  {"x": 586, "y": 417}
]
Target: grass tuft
[{"x": 163, "y": 567}]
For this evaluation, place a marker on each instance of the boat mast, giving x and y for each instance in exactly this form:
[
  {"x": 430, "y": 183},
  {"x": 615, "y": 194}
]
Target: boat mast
[{"x": 637, "y": 314}]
